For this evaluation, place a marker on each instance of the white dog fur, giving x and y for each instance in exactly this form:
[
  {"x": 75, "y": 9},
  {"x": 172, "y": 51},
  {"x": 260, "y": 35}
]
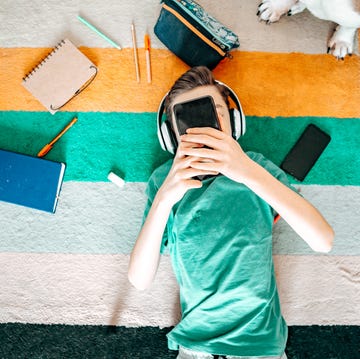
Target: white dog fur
[{"x": 345, "y": 13}]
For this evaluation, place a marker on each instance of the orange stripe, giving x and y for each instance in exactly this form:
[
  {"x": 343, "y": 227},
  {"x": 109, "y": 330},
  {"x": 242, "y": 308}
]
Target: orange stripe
[
  {"x": 194, "y": 30},
  {"x": 268, "y": 84}
]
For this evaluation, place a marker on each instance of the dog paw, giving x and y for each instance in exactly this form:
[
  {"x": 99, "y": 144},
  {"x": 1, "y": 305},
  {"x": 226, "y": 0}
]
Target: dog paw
[
  {"x": 341, "y": 43},
  {"x": 272, "y": 10},
  {"x": 296, "y": 9}
]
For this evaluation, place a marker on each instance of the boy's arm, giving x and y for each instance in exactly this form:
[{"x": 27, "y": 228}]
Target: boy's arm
[
  {"x": 300, "y": 214},
  {"x": 145, "y": 257},
  {"x": 227, "y": 157}
]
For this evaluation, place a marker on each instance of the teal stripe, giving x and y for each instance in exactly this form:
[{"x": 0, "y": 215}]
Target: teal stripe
[
  {"x": 127, "y": 143},
  {"x": 80, "y": 341},
  {"x": 97, "y": 143}
]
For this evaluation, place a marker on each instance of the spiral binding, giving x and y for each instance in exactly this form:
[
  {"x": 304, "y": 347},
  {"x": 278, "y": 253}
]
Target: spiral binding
[{"x": 43, "y": 61}]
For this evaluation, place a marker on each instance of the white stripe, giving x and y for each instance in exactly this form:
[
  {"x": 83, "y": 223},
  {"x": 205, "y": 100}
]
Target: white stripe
[
  {"x": 101, "y": 218},
  {"x": 340, "y": 206},
  {"x": 93, "y": 289},
  {"x": 35, "y": 24}
]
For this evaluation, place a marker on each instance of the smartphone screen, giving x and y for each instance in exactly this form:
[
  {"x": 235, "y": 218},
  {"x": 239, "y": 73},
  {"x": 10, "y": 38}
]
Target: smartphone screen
[
  {"x": 306, "y": 151},
  {"x": 200, "y": 112}
]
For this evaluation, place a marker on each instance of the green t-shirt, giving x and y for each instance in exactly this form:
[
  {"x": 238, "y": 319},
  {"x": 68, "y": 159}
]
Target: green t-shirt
[{"x": 220, "y": 242}]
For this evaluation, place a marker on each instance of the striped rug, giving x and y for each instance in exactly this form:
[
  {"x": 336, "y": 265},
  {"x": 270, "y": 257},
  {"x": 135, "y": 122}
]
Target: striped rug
[{"x": 63, "y": 286}]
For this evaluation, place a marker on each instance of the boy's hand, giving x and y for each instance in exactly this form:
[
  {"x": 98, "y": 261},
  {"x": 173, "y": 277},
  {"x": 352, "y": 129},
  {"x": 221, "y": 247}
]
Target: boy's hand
[
  {"x": 224, "y": 154},
  {"x": 180, "y": 178}
]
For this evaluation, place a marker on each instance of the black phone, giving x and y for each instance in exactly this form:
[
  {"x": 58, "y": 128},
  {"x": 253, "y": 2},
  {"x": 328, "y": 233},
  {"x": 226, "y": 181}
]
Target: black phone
[
  {"x": 200, "y": 112},
  {"x": 306, "y": 151}
]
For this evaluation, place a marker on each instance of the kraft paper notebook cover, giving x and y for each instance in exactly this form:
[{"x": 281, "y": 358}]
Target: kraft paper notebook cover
[
  {"x": 30, "y": 181},
  {"x": 63, "y": 74}
]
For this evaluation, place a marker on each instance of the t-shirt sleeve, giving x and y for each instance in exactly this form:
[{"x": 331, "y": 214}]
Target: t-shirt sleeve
[{"x": 151, "y": 190}]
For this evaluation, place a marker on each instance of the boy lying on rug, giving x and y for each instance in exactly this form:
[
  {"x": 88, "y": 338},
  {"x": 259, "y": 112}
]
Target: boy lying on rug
[{"x": 219, "y": 233}]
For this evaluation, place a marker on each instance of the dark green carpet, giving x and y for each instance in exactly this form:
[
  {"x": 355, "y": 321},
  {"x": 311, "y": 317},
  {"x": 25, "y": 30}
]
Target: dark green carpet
[{"x": 65, "y": 341}]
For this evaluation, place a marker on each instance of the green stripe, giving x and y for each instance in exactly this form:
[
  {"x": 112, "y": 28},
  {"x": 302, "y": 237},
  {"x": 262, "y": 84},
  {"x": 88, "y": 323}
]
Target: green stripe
[
  {"x": 64, "y": 341},
  {"x": 127, "y": 143}
]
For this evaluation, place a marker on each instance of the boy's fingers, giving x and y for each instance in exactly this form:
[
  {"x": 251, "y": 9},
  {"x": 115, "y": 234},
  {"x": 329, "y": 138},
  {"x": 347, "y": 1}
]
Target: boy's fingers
[
  {"x": 209, "y": 166},
  {"x": 190, "y": 172},
  {"x": 205, "y": 136},
  {"x": 206, "y": 131},
  {"x": 202, "y": 140},
  {"x": 183, "y": 146},
  {"x": 203, "y": 153},
  {"x": 194, "y": 184}
]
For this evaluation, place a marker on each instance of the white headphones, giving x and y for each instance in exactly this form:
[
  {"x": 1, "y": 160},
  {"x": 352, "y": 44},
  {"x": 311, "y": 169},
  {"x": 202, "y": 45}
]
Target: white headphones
[{"x": 166, "y": 135}]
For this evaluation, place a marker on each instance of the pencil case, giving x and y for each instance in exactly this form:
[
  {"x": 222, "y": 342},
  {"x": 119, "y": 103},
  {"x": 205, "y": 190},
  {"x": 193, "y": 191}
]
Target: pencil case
[{"x": 196, "y": 37}]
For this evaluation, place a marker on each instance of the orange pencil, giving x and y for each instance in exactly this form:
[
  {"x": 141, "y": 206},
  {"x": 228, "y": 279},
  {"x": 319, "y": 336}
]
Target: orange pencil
[
  {"x": 49, "y": 146},
  {"x": 147, "y": 54}
]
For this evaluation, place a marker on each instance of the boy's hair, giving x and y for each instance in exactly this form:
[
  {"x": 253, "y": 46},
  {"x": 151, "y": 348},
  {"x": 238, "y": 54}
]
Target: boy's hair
[{"x": 195, "y": 77}]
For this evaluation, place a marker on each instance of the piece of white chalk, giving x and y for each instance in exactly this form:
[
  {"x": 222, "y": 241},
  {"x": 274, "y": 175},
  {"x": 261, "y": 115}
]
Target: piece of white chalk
[{"x": 116, "y": 179}]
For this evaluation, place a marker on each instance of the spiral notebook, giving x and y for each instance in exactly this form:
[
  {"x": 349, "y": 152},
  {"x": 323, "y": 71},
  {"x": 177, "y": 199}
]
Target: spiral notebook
[{"x": 62, "y": 75}]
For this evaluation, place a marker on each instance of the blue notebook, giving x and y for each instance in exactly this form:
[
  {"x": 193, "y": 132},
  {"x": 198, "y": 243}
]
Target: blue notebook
[{"x": 30, "y": 181}]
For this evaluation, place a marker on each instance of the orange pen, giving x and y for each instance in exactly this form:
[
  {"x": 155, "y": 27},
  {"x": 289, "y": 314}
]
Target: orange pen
[
  {"x": 147, "y": 54},
  {"x": 49, "y": 146}
]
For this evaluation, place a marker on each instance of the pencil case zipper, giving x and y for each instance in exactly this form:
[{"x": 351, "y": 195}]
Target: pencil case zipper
[
  {"x": 217, "y": 31},
  {"x": 181, "y": 15}
]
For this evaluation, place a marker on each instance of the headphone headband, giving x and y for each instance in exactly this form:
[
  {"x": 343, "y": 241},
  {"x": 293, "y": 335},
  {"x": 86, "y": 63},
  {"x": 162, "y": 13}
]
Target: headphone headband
[{"x": 164, "y": 131}]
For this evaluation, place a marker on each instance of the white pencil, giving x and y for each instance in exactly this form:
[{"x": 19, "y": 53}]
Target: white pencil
[{"x": 135, "y": 53}]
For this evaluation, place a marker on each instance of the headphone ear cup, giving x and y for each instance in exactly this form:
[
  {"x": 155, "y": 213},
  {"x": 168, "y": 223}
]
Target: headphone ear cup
[
  {"x": 167, "y": 138},
  {"x": 237, "y": 116},
  {"x": 237, "y": 122}
]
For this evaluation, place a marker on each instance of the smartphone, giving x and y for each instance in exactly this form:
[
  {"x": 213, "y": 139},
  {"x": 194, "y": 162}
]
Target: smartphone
[
  {"x": 200, "y": 112},
  {"x": 306, "y": 151}
]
